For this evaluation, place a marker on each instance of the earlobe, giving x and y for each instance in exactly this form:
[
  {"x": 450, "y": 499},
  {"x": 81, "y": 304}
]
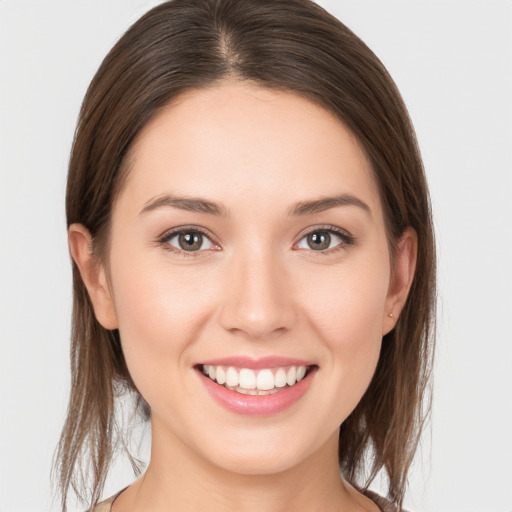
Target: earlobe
[
  {"x": 401, "y": 278},
  {"x": 93, "y": 275}
]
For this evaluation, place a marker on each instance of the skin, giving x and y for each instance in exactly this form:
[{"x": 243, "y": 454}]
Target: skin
[{"x": 257, "y": 290}]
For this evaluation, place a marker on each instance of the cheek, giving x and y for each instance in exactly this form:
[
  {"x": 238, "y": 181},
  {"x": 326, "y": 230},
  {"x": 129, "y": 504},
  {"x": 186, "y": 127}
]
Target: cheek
[
  {"x": 161, "y": 312},
  {"x": 346, "y": 304},
  {"x": 346, "y": 307}
]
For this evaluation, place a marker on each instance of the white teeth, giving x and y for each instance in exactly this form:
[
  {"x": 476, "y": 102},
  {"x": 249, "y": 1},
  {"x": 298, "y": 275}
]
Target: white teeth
[
  {"x": 247, "y": 379},
  {"x": 232, "y": 377},
  {"x": 301, "y": 371},
  {"x": 221, "y": 375},
  {"x": 280, "y": 378},
  {"x": 291, "y": 376},
  {"x": 254, "y": 382},
  {"x": 265, "y": 380}
]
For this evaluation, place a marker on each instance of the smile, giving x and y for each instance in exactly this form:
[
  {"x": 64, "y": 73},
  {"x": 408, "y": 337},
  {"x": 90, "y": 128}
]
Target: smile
[
  {"x": 261, "y": 387},
  {"x": 247, "y": 381}
]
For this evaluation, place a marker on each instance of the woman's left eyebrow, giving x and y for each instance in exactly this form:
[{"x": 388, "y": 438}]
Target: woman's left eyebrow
[{"x": 326, "y": 203}]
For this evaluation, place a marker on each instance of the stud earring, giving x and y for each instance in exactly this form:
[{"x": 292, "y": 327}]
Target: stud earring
[{"x": 390, "y": 315}]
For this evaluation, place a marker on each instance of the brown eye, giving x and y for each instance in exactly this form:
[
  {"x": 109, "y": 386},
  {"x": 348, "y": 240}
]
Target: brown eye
[
  {"x": 319, "y": 240},
  {"x": 190, "y": 241},
  {"x": 325, "y": 239}
]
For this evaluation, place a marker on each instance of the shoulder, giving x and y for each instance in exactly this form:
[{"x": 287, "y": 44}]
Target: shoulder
[
  {"x": 106, "y": 506},
  {"x": 384, "y": 504}
]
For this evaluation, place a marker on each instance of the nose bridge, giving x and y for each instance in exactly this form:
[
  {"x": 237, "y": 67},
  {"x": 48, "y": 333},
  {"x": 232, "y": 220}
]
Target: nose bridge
[{"x": 257, "y": 299}]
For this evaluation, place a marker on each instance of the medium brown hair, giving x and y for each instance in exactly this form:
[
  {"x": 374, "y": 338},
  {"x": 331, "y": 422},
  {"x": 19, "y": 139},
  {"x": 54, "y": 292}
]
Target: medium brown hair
[{"x": 289, "y": 45}]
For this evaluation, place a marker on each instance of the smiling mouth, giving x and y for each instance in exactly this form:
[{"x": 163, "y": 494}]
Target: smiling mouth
[{"x": 265, "y": 381}]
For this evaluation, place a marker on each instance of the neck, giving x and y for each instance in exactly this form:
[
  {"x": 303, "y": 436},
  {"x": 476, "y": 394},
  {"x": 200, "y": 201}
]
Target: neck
[{"x": 178, "y": 478}]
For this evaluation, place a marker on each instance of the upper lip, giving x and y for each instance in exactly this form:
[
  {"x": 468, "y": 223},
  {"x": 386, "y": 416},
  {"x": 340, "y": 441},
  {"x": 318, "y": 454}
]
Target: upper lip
[{"x": 256, "y": 363}]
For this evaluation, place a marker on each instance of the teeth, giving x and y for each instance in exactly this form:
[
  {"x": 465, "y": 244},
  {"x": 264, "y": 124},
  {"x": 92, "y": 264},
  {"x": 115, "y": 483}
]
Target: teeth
[
  {"x": 254, "y": 382},
  {"x": 247, "y": 379},
  {"x": 301, "y": 371},
  {"x": 280, "y": 378},
  {"x": 232, "y": 377},
  {"x": 221, "y": 375},
  {"x": 291, "y": 376},
  {"x": 265, "y": 380}
]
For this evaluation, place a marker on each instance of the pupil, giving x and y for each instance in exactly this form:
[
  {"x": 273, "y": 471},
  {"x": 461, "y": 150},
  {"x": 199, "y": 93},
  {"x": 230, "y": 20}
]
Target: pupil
[
  {"x": 319, "y": 240},
  {"x": 191, "y": 241}
]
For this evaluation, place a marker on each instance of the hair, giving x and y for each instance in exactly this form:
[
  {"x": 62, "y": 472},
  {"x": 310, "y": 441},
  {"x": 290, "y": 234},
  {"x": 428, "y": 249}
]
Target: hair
[{"x": 288, "y": 45}]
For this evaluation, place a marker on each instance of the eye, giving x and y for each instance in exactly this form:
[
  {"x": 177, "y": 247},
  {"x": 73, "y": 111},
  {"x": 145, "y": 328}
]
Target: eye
[
  {"x": 324, "y": 239},
  {"x": 189, "y": 240}
]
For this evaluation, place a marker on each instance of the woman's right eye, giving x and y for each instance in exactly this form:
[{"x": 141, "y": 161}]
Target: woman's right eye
[{"x": 189, "y": 240}]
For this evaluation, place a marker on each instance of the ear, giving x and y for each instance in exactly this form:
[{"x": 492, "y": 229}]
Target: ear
[
  {"x": 401, "y": 278},
  {"x": 93, "y": 275}
]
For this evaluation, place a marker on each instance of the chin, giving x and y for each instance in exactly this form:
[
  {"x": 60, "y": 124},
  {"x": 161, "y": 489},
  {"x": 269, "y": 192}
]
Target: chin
[
  {"x": 255, "y": 462},
  {"x": 263, "y": 454}
]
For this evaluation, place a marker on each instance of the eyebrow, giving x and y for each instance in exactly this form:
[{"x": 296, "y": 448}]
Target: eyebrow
[
  {"x": 200, "y": 205},
  {"x": 326, "y": 203},
  {"x": 190, "y": 204}
]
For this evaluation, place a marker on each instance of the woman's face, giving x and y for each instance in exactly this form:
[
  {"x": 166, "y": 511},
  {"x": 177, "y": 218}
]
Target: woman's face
[{"x": 249, "y": 242}]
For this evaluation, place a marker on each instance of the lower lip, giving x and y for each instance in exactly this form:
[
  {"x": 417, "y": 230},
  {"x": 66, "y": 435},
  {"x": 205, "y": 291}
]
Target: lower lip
[{"x": 257, "y": 405}]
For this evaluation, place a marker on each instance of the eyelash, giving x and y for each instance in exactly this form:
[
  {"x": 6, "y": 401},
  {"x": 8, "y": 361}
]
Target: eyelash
[
  {"x": 347, "y": 239},
  {"x": 169, "y": 235}
]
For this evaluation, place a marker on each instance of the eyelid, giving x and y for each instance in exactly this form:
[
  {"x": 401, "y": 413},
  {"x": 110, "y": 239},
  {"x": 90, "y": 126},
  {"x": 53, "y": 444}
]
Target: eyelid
[
  {"x": 347, "y": 238},
  {"x": 168, "y": 234}
]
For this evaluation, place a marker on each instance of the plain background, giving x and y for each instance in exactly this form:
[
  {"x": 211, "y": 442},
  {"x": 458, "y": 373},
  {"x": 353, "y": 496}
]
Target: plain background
[{"x": 451, "y": 59}]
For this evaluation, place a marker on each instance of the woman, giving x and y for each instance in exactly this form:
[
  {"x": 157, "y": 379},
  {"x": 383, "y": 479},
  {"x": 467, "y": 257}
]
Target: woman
[{"x": 253, "y": 258}]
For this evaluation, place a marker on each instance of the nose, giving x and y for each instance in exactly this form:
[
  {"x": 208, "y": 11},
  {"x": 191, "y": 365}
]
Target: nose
[{"x": 258, "y": 300}]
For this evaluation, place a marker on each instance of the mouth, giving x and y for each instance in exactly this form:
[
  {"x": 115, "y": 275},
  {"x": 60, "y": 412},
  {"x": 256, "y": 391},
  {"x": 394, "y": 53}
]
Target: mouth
[
  {"x": 260, "y": 382},
  {"x": 256, "y": 389}
]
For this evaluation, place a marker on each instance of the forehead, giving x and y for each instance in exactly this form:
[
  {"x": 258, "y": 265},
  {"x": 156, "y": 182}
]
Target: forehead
[{"x": 236, "y": 140}]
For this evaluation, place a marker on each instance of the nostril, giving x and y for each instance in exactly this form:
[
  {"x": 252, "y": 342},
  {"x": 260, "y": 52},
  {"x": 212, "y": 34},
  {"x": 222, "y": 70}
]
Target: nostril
[{"x": 257, "y": 301}]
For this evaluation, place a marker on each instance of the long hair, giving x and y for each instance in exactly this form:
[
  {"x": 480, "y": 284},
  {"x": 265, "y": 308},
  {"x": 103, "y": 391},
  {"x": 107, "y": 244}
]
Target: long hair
[{"x": 289, "y": 45}]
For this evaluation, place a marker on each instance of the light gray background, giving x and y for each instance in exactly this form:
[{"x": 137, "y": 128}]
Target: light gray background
[{"x": 451, "y": 59}]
